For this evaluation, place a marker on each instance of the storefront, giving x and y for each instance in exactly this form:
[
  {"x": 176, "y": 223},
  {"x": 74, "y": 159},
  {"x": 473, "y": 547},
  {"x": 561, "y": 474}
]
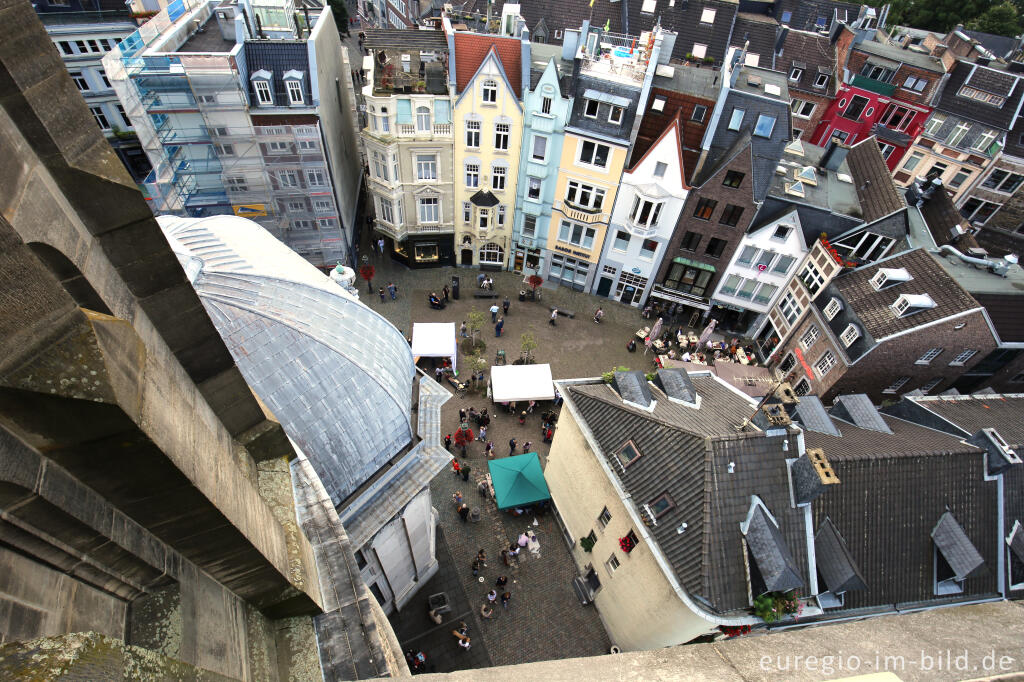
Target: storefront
[
  {"x": 525, "y": 259},
  {"x": 424, "y": 251},
  {"x": 569, "y": 272},
  {"x": 682, "y": 295}
]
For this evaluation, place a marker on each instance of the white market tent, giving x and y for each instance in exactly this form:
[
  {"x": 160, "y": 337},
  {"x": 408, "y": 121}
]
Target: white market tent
[
  {"x": 434, "y": 340},
  {"x": 521, "y": 382}
]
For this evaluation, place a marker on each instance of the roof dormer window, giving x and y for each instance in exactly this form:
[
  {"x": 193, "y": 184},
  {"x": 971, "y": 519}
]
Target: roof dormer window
[
  {"x": 261, "y": 84},
  {"x": 889, "y": 277},
  {"x": 293, "y": 86},
  {"x": 849, "y": 335},
  {"x": 908, "y": 304},
  {"x": 833, "y": 307}
]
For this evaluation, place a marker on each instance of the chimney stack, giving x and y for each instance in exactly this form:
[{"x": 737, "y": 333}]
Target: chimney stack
[
  {"x": 835, "y": 154},
  {"x": 811, "y": 476}
]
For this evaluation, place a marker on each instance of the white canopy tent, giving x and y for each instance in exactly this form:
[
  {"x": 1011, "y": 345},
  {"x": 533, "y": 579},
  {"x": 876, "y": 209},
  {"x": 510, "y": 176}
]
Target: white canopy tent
[
  {"x": 434, "y": 340},
  {"x": 521, "y": 382}
]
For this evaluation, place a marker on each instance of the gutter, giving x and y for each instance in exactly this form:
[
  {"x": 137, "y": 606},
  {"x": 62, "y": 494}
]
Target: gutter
[{"x": 626, "y": 500}]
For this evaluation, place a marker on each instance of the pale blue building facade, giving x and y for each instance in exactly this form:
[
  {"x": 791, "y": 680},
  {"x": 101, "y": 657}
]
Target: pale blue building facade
[{"x": 545, "y": 114}]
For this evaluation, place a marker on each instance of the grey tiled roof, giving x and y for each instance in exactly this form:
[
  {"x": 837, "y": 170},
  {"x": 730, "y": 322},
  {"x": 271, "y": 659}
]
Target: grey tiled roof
[
  {"x": 805, "y": 13},
  {"x": 632, "y": 386},
  {"x": 760, "y": 30},
  {"x": 676, "y": 384},
  {"x": 906, "y": 440},
  {"x": 812, "y": 52},
  {"x": 1001, "y": 46},
  {"x": 858, "y": 410},
  {"x": 875, "y": 190},
  {"x": 772, "y": 557},
  {"x": 966, "y": 415},
  {"x": 871, "y": 308},
  {"x": 956, "y": 547},
  {"x": 684, "y": 19},
  {"x": 278, "y": 57},
  {"x": 834, "y": 562},
  {"x": 988, "y": 80}
]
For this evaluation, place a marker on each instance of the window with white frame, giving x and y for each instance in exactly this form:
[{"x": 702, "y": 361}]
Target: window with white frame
[
  {"x": 306, "y": 145},
  {"x": 707, "y": 16},
  {"x": 958, "y": 134},
  {"x": 822, "y": 80},
  {"x": 1000, "y": 180},
  {"x": 472, "y": 175},
  {"x": 278, "y": 147},
  {"x": 645, "y": 212},
  {"x": 621, "y": 242},
  {"x": 467, "y": 212},
  {"x": 987, "y": 98},
  {"x": 385, "y": 210},
  {"x": 428, "y": 209},
  {"x": 790, "y": 307},
  {"x": 808, "y": 338},
  {"x": 529, "y": 226},
  {"x": 423, "y": 119},
  {"x": 896, "y": 385},
  {"x": 984, "y": 141},
  {"x": 237, "y": 184},
  {"x": 80, "y": 80},
  {"x": 323, "y": 205},
  {"x": 326, "y": 223},
  {"x": 380, "y": 166},
  {"x": 584, "y": 196},
  {"x": 615, "y": 114},
  {"x": 929, "y": 355},
  {"x": 611, "y": 564},
  {"x": 501, "y": 215},
  {"x": 932, "y": 125},
  {"x": 909, "y": 304},
  {"x": 812, "y": 278},
  {"x": 294, "y": 88},
  {"x": 545, "y": 105},
  {"x": 501, "y": 131},
  {"x": 224, "y": 149},
  {"x": 473, "y": 134},
  {"x": 962, "y": 358},
  {"x": 316, "y": 177},
  {"x": 302, "y": 224},
  {"x": 426, "y": 167},
  {"x": 576, "y": 234},
  {"x": 594, "y": 154},
  {"x": 489, "y": 91},
  {"x": 263, "y": 95},
  {"x": 833, "y": 307},
  {"x": 540, "y": 148},
  {"x": 849, "y": 335},
  {"x": 795, "y": 74},
  {"x": 295, "y": 205},
  {"x": 802, "y": 108},
  {"x": 825, "y": 363},
  {"x": 533, "y": 188},
  {"x": 491, "y": 253},
  {"x": 100, "y": 117},
  {"x": 288, "y": 178},
  {"x": 498, "y": 175}
]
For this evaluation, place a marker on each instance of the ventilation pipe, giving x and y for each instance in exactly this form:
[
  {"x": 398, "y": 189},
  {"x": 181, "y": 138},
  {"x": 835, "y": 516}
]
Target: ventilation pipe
[{"x": 999, "y": 268}]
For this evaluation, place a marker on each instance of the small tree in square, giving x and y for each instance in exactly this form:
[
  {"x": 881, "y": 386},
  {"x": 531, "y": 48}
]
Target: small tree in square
[{"x": 529, "y": 345}]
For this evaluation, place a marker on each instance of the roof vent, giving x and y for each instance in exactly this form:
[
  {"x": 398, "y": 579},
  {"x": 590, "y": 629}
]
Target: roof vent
[
  {"x": 1000, "y": 456},
  {"x": 771, "y": 89},
  {"x": 753, "y": 81},
  {"x": 843, "y": 177},
  {"x": 811, "y": 475}
]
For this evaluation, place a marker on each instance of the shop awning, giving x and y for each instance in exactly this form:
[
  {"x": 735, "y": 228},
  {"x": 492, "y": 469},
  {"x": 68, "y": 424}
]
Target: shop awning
[
  {"x": 521, "y": 382},
  {"x": 434, "y": 340}
]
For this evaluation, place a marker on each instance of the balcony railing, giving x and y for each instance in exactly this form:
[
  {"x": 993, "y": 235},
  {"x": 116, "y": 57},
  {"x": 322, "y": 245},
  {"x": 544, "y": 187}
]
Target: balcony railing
[
  {"x": 581, "y": 215},
  {"x": 436, "y": 130}
]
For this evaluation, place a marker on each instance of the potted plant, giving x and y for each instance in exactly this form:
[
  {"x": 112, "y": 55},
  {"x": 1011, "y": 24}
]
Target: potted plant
[
  {"x": 709, "y": 60},
  {"x": 774, "y": 606},
  {"x": 689, "y": 56},
  {"x": 586, "y": 544}
]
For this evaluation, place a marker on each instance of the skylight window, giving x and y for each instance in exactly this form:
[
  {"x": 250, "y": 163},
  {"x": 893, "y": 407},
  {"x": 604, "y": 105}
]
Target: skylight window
[
  {"x": 628, "y": 454},
  {"x": 765, "y": 125},
  {"x": 795, "y": 188},
  {"x": 806, "y": 175},
  {"x": 708, "y": 16},
  {"x": 736, "y": 119}
]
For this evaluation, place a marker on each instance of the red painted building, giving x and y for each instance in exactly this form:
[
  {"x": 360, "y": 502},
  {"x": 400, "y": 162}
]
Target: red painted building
[{"x": 886, "y": 92}]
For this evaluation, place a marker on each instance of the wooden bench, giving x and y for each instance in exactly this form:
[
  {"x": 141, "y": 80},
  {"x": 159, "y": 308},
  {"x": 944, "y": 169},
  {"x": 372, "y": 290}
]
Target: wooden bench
[
  {"x": 485, "y": 293},
  {"x": 565, "y": 313}
]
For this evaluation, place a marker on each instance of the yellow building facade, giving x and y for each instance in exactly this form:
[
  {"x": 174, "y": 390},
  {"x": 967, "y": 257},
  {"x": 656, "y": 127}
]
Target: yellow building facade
[
  {"x": 588, "y": 179},
  {"x": 488, "y": 134}
]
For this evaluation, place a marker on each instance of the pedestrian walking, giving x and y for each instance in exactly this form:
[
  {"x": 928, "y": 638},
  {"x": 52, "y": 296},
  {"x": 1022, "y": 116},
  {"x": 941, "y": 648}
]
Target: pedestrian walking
[
  {"x": 455, "y": 467},
  {"x": 481, "y": 556},
  {"x": 512, "y": 446},
  {"x": 457, "y": 497},
  {"x": 491, "y": 596},
  {"x": 465, "y": 472},
  {"x": 380, "y": 246},
  {"x": 494, "y": 313},
  {"x": 463, "y": 331},
  {"x": 506, "y": 598},
  {"x": 522, "y": 417},
  {"x": 483, "y": 434},
  {"x": 448, "y": 442},
  {"x": 598, "y": 316},
  {"x": 526, "y": 446},
  {"x": 554, "y": 316},
  {"x": 505, "y": 304},
  {"x": 462, "y": 415},
  {"x": 382, "y": 295},
  {"x": 445, "y": 292},
  {"x": 533, "y": 404},
  {"x": 463, "y": 512},
  {"x": 392, "y": 290},
  {"x": 489, "y": 449},
  {"x": 501, "y": 581},
  {"x": 486, "y": 611},
  {"x": 498, "y": 327},
  {"x": 476, "y": 567}
]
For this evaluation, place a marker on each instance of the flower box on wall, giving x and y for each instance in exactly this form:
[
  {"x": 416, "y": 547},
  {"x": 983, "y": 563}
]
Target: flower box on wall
[{"x": 628, "y": 542}]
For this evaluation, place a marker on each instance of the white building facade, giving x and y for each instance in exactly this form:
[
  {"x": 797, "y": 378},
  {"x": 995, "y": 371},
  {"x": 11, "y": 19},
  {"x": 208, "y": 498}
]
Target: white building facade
[{"x": 647, "y": 206}]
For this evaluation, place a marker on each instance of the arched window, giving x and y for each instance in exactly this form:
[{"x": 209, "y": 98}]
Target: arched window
[
  {"x": 423, "y": 119},
  {"x": 491, "y": 253},
  {"x": 490, "y": 91}
]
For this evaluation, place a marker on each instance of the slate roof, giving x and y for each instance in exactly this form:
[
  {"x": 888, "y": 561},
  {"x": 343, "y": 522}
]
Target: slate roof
[
  {"x": 956, "y": 547},
  {"x": 632, "y": 387},
  {"x": 906, "y": 440},
  {"x": 811, "y": 414},
  {"x": 471, "y": 49},
  {"x": 805, "y": 13},
  {"x": 760, "y": 30},
  {"x": 1001, "y": 46},
  {"x": 988, "y": 80},
  {"x": 875, "y": 190},
  {"x": 886, "y": 507},
  {"x": 898, "y": 54},
  {"x": 813, "y": 52},
  {"x": 684, "y": 19},
  {"x": 871, "y": 308},
  {"x": 676, "y": 458},
  {"x": 834, "y": 562},
  {"x": 941, "y": 216},
  {"x": 966, "y": 415},
  {"x": 404, "y": 39},
  {"x": 772, "y": 557},
  {"x": 1005, "y": 312},
  {"x": 278, "y": 57},
  {"x": 676, "y": 383},
  {"x": 563, "y": 14},
  {"x": 857, "y": 409}
]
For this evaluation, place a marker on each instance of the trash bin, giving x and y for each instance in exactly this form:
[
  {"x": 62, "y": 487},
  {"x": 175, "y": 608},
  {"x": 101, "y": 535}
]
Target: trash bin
[
  {"x": 439, "y": 602},
  {"x": 455, "y": 287},
  {"x": 522, "y": 295}
]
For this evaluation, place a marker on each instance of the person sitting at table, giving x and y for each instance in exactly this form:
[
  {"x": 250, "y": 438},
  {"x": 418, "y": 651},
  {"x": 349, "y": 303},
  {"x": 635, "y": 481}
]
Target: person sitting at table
[
  {"x": 686, "y": 356},
  {"x": 701, "y": 357},
  {"x": 671, "y": 355}
]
